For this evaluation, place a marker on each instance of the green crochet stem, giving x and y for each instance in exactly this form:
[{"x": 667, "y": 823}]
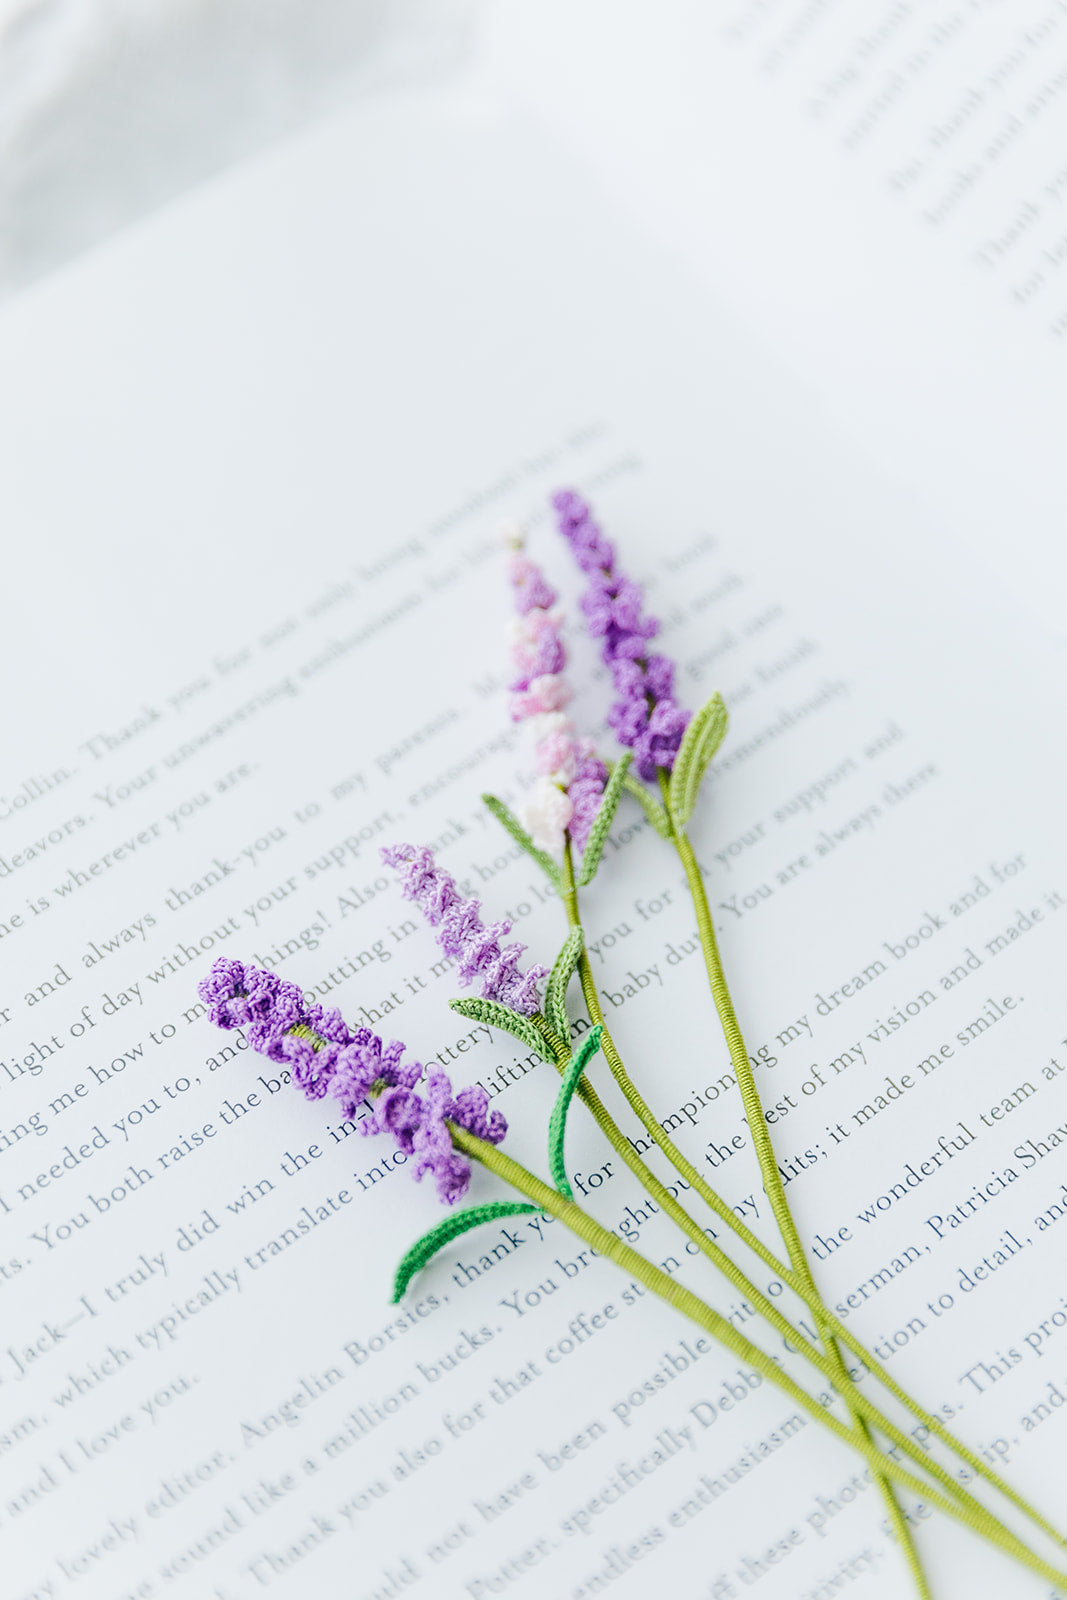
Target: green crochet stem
[
  {"x": 761, "y": 1139},
  {"x": 802, "y": 1286},
  {"x": 971, "y": 1511},
  {"x": 835, "y": 1374},
  {"x": 675, "y": 1294}
]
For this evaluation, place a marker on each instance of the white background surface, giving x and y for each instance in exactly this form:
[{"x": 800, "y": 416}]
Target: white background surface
[
  {"x": 110, "y": 107},
  {"x": 375, "y": 338}
]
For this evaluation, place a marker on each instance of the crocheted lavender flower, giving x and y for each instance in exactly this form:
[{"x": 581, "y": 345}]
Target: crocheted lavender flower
[
  {"x": 461, "y": 932},
  {"x": 585, "y": 794},
  {"x": 538, "y": 695},
  {"x": 646, "y": 716},
  {"x": 327, "y": 1057}
]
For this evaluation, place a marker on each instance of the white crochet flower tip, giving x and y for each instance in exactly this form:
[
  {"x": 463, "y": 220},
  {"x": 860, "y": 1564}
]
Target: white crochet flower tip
[
  {"x": 550, "y": 692},
  {"x": 528, "y": 628},
  {"x": 546, "y": 816},
  {"x": 547, "y": 723},
  {"x": 511, "y": 534}
]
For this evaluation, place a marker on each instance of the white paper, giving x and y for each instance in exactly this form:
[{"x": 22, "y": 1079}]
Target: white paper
[
  {"x": 254, "y": 457},
  {"x": 793, "y": 155}
]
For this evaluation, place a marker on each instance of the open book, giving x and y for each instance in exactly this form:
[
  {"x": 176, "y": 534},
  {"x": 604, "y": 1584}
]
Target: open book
[{"x": 255, "y": 454}]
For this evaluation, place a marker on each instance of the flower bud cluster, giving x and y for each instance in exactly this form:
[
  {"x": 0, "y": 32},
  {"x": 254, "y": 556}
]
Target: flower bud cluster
[
  {"x": 646, "y": 717},
  {"x": 325, "y": 1056},
  {"x": 461, "y": 933},
  {"x": 571, "y": 778}
]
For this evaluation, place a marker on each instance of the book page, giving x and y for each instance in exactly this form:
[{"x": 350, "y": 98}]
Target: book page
[
  {"x": 875, "y": 188},
  {"x": 958, "y": 109},
  {"x": 255, "y": 455}
]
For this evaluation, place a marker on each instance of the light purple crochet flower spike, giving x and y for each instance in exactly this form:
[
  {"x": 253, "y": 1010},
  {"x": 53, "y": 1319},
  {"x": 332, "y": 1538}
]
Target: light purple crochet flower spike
[
  {"x": 571, "y": 777},
  {"x": 645, "y": 717},
  {"x": 353, "y": 1065},
  {"x": 461, "y": 931}
]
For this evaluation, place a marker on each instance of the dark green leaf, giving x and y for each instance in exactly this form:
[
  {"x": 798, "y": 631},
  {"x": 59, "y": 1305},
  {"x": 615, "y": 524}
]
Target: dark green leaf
[
  {"x": 557, "y": 1126},
  {"x": 453, "y": 1225}
]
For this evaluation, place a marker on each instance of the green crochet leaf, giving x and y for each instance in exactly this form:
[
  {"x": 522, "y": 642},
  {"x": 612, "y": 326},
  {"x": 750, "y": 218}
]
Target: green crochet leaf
[
  {"x": 598, "y": 833},
  {"x": 703, "y": 737},
  {"x": 654, "y": 812},
  {"x": 557, "y": 1126},
  {"x": 498, "y": 1016},
  {"x": 511, "y": 822},
  {"x": 559, "y": 978},
  {"x": 458, "y": 1222}
]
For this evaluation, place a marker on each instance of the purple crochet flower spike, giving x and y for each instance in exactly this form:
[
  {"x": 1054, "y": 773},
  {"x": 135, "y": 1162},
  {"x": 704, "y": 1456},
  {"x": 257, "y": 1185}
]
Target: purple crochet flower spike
[
  {"x": 646, "y": 716},
  {"x": 461, "y": 932},
  {"x": 353, "y": 1066},
  {"x": 571, "y": 779}
]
